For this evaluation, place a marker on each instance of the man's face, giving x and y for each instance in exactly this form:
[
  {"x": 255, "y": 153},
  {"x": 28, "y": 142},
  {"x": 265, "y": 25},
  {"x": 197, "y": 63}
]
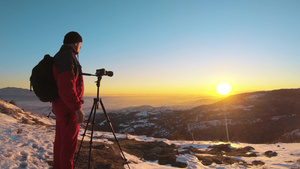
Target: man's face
[{"x": 78, "y": 47}]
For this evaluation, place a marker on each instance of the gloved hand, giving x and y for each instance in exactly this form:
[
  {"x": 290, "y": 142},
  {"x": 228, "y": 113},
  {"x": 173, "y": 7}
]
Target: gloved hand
[{"x": 80, "y": 116}]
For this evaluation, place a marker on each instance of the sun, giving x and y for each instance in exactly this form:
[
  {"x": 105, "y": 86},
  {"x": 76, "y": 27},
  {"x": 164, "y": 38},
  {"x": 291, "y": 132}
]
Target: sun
[{"x": 224, "y": 88}]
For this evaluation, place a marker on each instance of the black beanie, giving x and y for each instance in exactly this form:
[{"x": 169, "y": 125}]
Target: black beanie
[{"x": 72, "y": 37}]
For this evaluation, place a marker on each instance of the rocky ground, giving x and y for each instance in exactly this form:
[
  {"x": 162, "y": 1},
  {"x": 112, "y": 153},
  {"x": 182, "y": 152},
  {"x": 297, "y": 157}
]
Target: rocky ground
[{"x": 107, "y": 156}]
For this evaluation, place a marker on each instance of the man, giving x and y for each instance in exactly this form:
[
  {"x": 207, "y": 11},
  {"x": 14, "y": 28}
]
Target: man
[{"x": 67, "y": 108}]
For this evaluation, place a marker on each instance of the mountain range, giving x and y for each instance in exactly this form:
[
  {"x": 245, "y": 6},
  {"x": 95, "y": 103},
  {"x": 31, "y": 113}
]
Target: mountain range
[{"x": 254, "y": 117}]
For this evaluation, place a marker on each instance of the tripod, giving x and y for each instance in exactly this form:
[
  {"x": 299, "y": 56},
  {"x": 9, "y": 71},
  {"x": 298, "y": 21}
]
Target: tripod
[{"x": 93, "y": 115}]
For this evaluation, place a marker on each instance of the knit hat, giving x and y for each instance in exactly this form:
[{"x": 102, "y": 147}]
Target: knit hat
[{"x": 72, "y": 37}]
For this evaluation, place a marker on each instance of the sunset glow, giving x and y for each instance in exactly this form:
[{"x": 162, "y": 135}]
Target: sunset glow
[{"x": 224, "y": 88}]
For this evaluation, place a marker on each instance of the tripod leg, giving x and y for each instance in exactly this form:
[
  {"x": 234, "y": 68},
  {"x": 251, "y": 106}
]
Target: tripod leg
[
  {"x": 83, "y": 135},
  {"x": 113, "y": 131},
  {"x": 93, "y": 124}
]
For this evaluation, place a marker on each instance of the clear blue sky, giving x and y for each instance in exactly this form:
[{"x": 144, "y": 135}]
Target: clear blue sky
[{"x": 159, "y": 46}]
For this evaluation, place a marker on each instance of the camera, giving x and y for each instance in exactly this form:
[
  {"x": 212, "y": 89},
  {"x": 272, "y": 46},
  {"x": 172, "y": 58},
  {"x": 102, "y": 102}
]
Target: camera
[{"x": 103, "y": 72}]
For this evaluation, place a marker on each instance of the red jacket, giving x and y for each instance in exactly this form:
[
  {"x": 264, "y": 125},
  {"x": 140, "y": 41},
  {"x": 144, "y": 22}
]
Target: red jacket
[{"x": 68, "y": 76}]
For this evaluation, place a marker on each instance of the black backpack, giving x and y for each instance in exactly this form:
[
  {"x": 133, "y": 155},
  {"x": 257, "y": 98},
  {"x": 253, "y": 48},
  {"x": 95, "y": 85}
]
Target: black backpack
[{"x": 42, "y": 80}]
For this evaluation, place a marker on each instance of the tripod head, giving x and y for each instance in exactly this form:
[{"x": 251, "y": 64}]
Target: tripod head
[
  {"x": 100, "y": 73},
  {"x": 103, "y": 72}
]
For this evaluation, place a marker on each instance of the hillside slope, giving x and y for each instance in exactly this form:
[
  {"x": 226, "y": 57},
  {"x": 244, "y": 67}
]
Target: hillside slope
[{"x": 257, "y": 117}]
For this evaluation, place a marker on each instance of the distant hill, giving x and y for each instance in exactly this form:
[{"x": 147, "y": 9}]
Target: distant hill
[
  {"x": 25, "y": 99},
  {"x": 256, "y": 117},
  {"x": 13, "y": 93}
]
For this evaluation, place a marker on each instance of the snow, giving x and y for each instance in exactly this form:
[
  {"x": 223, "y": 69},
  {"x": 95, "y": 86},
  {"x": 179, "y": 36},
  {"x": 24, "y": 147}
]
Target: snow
[
  {"x": 275, "y": 118},
  {"x": 24, "y": 145},
  {"x": 255, "y": 96},
  {"x": 142, "y": 113},
  {"x": 31, "y": 146},
  {"x": 243, "y": 107}
]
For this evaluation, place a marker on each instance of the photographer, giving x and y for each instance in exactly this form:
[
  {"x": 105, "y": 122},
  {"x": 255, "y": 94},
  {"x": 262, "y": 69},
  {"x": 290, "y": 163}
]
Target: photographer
[{"x": 68, "y": 76}]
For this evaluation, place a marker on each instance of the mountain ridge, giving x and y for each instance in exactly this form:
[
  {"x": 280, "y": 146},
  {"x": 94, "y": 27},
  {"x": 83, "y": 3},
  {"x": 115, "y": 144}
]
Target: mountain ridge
[{"x": 254, "y": 117}]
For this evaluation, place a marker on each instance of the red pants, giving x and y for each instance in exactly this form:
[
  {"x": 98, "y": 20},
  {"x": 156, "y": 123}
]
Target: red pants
[{"x": 66, "y": 135}]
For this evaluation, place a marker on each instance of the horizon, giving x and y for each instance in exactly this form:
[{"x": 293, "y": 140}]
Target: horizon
[
  {"x": 216, "y": 95},
  {"x": 116, "y": 102},
  {"x": 159, "y": 47}
]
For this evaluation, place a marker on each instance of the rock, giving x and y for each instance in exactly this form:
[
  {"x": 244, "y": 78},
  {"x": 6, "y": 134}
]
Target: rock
[
  {"x": 19, "y": 131},
  {"x": 179, "y": 164},
  {"x": 248, "y": 148},
  {"x": 220, "y": 148},
  {"x": 257, "y": 162},
  {"x": 270, "y": 154}
]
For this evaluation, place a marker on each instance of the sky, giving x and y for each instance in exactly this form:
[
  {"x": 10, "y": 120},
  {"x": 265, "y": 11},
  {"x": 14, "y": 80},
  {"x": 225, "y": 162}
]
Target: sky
[{"x": 158, "y": 47}]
